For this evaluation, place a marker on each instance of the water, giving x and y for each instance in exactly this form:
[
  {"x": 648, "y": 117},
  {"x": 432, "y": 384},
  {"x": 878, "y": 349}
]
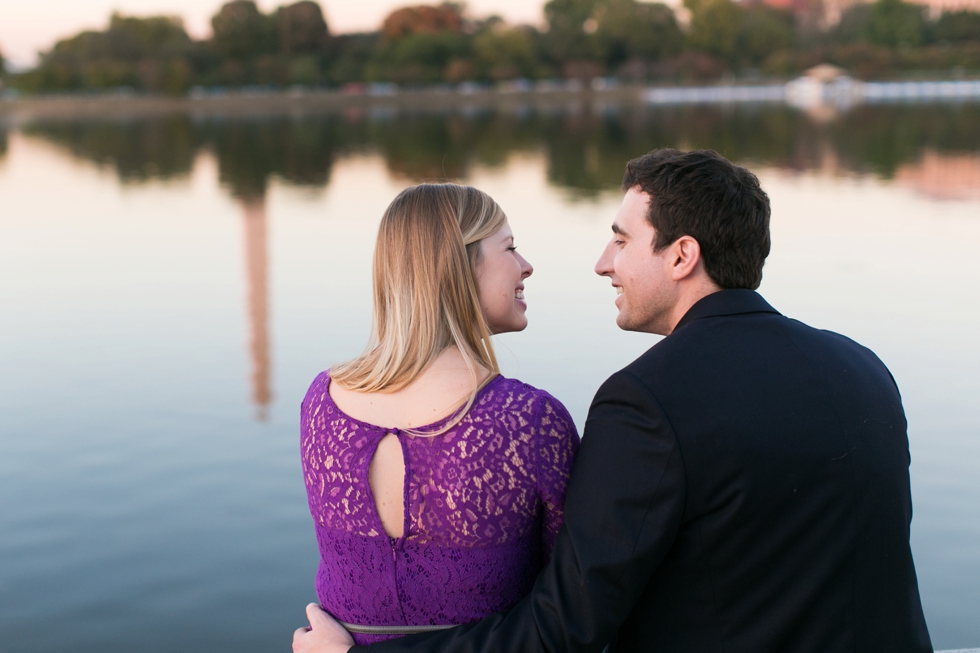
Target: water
[{"x": 169, "y": 287}]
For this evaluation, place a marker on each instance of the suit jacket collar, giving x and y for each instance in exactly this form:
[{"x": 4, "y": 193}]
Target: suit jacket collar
[{"x": 727, "y": 302}]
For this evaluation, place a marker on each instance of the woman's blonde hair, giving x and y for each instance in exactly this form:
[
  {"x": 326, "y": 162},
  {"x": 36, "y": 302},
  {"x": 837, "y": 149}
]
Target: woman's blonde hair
[{"x": 425, "y": 290}]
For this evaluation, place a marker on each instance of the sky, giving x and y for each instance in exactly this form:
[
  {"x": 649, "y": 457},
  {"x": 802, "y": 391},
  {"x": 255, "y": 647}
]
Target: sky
[{"x": 27, "y": 26}]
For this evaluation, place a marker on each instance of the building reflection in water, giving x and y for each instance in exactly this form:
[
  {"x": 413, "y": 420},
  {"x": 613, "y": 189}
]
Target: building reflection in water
[
  {"x": 942, "y": 176},
  {"x": 254, "y": 221}
]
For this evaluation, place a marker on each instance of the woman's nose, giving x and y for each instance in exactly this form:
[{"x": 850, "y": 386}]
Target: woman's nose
[{"x": 526, "y": 268}]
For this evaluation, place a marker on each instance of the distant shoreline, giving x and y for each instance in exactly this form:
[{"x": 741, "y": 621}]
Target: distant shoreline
[
  {"x": 803, "y": 92},
  {"x": 270, "y": 103}
]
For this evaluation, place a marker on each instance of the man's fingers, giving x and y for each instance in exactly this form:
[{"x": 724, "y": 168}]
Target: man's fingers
[
  {"x": 323, "y": 635},
  {"x": 316, "y": 615}
]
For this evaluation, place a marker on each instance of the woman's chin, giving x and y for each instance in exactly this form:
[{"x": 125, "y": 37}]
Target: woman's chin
[{"x": 518, "y": 323}]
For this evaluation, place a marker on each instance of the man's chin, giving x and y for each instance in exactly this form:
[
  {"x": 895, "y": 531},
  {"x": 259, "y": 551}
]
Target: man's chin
[{"x": 626, "y": 322}]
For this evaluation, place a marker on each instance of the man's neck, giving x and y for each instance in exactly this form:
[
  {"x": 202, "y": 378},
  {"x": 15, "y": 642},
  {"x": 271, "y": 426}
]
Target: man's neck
[{"x": 689, "y": 298}]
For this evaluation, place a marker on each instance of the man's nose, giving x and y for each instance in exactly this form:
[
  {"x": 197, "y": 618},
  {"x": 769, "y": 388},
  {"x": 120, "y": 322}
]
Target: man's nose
[{"x": 603, "y": 267}]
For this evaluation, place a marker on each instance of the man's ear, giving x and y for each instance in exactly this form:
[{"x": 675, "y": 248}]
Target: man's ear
[{"x": 685, "y": 255}]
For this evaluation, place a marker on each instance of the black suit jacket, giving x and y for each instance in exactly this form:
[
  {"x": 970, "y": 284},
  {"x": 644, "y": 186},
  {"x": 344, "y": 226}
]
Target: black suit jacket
[{"x": 741, "y": 487}]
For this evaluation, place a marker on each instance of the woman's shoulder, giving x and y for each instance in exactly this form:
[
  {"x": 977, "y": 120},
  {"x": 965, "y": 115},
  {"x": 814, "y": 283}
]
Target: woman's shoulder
[
  {"x": 317, "y": 392},
  {"x": 514, "y": 394},
  {"x": 549, "y": 427}
]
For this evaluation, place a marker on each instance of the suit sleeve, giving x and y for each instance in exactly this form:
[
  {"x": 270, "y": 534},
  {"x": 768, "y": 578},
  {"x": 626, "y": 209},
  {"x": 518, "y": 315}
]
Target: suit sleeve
[{"x": 624, "y": 506}]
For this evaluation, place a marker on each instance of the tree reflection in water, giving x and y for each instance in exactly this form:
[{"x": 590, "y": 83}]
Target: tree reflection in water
[
  {"x": 585, "y": 148},
  {"x": 931, "y": 148}
]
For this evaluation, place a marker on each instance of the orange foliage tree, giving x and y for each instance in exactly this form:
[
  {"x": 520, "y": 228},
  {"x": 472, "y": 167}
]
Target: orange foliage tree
[{"x": 423, "y": 19}]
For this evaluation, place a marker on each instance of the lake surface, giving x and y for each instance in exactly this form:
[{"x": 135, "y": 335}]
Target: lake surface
[{"x": 169, "y": 288}]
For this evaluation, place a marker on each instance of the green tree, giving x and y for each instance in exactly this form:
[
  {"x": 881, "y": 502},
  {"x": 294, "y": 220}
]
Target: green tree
[
  {"x": 627, "y": 29},
  {"x": 349, "y": 56},
  {"x": 3, "y": 64},
  {"x": 151, "y": 54},
  {"x": 895, "y": 23},
  {"x": 714, "y": 26},
  {"x": 570, "y": 28},
  {"x": 420, "y": 58},
  {"x": 958, "y": 27},
  {"x": 762, "y": 31},
  {"x": 853, "y": 26},
  {"x": 153, "y": 36},
  {"x": 241, "y": 31},
  {"x": 302, "y": 28},
  {"x": 505, "y": 52}
]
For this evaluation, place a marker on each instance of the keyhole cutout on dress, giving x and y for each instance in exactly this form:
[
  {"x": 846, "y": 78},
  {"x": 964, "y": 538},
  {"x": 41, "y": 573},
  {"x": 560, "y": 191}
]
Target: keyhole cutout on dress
[{"x": 386, "y": 475}]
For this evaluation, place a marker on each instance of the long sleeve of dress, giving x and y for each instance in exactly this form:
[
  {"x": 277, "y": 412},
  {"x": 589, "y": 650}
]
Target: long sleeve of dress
[{"x": 555, "y": 441}]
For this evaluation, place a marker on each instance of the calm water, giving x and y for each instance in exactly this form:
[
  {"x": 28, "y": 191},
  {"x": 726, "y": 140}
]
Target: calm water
[{"x": 168, "y": 289}]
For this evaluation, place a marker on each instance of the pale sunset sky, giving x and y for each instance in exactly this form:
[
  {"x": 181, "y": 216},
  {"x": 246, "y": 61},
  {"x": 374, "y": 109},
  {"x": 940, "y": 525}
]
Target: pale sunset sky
[{"x": 27, "y": 26}]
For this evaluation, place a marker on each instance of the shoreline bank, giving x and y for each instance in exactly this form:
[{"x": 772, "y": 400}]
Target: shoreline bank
[
  {"x": 802, "y": 93},
  {"x": 251, "y": 103}
]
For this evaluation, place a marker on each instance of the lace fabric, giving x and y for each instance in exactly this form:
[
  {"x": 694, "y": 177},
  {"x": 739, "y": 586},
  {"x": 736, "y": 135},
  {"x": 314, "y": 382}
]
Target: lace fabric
[{"x": 483, "y": 506}]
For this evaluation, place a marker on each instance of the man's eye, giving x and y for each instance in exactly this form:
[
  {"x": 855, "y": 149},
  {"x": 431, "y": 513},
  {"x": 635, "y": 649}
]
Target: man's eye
[{"x": 619, "y": 242}]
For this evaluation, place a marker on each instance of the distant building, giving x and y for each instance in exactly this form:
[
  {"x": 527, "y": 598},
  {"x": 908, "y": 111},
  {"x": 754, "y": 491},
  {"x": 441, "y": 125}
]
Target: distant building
[
  {"x": 937, "y": 7},
  {"x": 828, "y": 12},
  {"x": 823, "y": 86}
]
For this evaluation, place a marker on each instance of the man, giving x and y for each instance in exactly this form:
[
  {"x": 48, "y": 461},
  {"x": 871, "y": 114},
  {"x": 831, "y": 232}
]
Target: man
[{"x": 742, "y": 486}]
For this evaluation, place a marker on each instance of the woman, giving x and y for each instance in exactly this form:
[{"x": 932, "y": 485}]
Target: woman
[{"x": 436, "y": 485}]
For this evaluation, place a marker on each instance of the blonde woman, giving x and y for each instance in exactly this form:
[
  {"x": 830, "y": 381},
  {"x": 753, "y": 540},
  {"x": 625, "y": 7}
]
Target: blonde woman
[{"x": 436, "y": 485}]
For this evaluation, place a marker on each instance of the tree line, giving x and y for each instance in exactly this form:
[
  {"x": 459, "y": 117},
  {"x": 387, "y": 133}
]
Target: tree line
[{"x": 443, "y": 44}]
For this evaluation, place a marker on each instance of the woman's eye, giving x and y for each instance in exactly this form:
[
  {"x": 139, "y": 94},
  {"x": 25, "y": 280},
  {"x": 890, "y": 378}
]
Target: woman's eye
[{"x": 512, "y": 248}]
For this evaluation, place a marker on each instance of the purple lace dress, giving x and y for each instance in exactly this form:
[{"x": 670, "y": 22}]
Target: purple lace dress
[{"x": 483, "y": 505}]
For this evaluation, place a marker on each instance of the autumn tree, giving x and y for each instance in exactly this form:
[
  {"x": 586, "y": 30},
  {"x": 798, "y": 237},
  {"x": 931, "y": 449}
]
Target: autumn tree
[
  {"x": 423, "y": 19},
  {"x": 423, "y": 44}
]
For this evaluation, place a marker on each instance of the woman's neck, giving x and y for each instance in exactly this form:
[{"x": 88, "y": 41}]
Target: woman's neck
[{"x": 438, "y": 392}]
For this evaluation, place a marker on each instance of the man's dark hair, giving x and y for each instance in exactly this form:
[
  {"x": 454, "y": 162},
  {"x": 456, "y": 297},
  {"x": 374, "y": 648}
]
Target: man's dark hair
[{"x": 705, "y": 196}]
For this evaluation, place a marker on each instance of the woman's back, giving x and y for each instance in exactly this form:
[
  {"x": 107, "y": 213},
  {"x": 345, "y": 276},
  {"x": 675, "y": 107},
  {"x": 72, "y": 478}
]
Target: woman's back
[{"x": 481, "y": 507}]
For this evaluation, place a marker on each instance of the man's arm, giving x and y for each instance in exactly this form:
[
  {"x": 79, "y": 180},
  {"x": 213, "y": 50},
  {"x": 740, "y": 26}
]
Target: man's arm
[{"x": 624, "y": 506}]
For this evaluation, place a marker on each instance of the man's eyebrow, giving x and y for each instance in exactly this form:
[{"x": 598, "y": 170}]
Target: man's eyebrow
[{"x": 619, "y": 230}]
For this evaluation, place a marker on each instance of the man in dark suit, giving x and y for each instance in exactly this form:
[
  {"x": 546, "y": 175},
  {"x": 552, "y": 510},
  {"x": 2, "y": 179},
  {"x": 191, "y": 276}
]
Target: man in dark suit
[{"x": 742, "y": 486}]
